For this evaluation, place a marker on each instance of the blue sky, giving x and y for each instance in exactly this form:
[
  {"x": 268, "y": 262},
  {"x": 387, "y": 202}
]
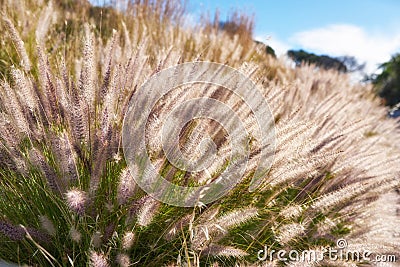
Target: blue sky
[{"x": 366, "y": 29}]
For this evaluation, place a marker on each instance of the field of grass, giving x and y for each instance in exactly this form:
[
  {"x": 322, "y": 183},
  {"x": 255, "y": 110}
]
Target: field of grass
[{"x": 68, "y": 195}]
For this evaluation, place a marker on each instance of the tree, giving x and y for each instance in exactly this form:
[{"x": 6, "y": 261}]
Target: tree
[
  {"x": 387, "y": 84},
  {"x": 322, "y": 61},
  {"x": 351, "y": 63},
  {"x": 269, "y": 50},
  {"x": 341, "y": 64}
]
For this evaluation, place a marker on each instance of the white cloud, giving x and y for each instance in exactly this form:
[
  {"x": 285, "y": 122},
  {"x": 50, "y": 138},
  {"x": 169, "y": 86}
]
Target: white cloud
[{"x": 344, "y": 39}]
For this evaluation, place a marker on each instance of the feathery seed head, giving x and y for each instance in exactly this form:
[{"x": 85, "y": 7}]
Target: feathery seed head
[
  {"x": 290, "y": 231},
  {"x": 223, "y": 251},
  {"x": 98, "y": 259},
  {"x": 127, "y": 240},
  {"x": 15, "y": 233},
  {"x": 126, "y": 186},
  {"x": 77, "y": 200},
  {"x": 123, "y": 260},
  {"x": 75, "y": 235},
  {"x": 147, "y": 211},
  {"x": 47, "y": 225},
  {"x": 96, "y": 239},
  {"x": 292, "y": 211}
]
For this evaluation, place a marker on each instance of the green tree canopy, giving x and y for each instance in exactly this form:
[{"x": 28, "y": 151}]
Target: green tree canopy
[
  {"x": 387, "y": 83},
  {"x": 341, "y": 64}
]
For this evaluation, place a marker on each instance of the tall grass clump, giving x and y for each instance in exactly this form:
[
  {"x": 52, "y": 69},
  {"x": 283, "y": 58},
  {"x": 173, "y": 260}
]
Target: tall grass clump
[{"x": 67, "y": 196}]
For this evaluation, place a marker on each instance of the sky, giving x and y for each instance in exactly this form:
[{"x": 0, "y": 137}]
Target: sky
[{"x": 366, "y": 29}]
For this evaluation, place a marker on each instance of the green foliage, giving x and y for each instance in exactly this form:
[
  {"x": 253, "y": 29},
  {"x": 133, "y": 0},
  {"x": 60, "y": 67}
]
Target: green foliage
[
  {"x": 323, "y": 61},
  {"x": 387, "y": 83},
  {"x": 270, "y": 51}
]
